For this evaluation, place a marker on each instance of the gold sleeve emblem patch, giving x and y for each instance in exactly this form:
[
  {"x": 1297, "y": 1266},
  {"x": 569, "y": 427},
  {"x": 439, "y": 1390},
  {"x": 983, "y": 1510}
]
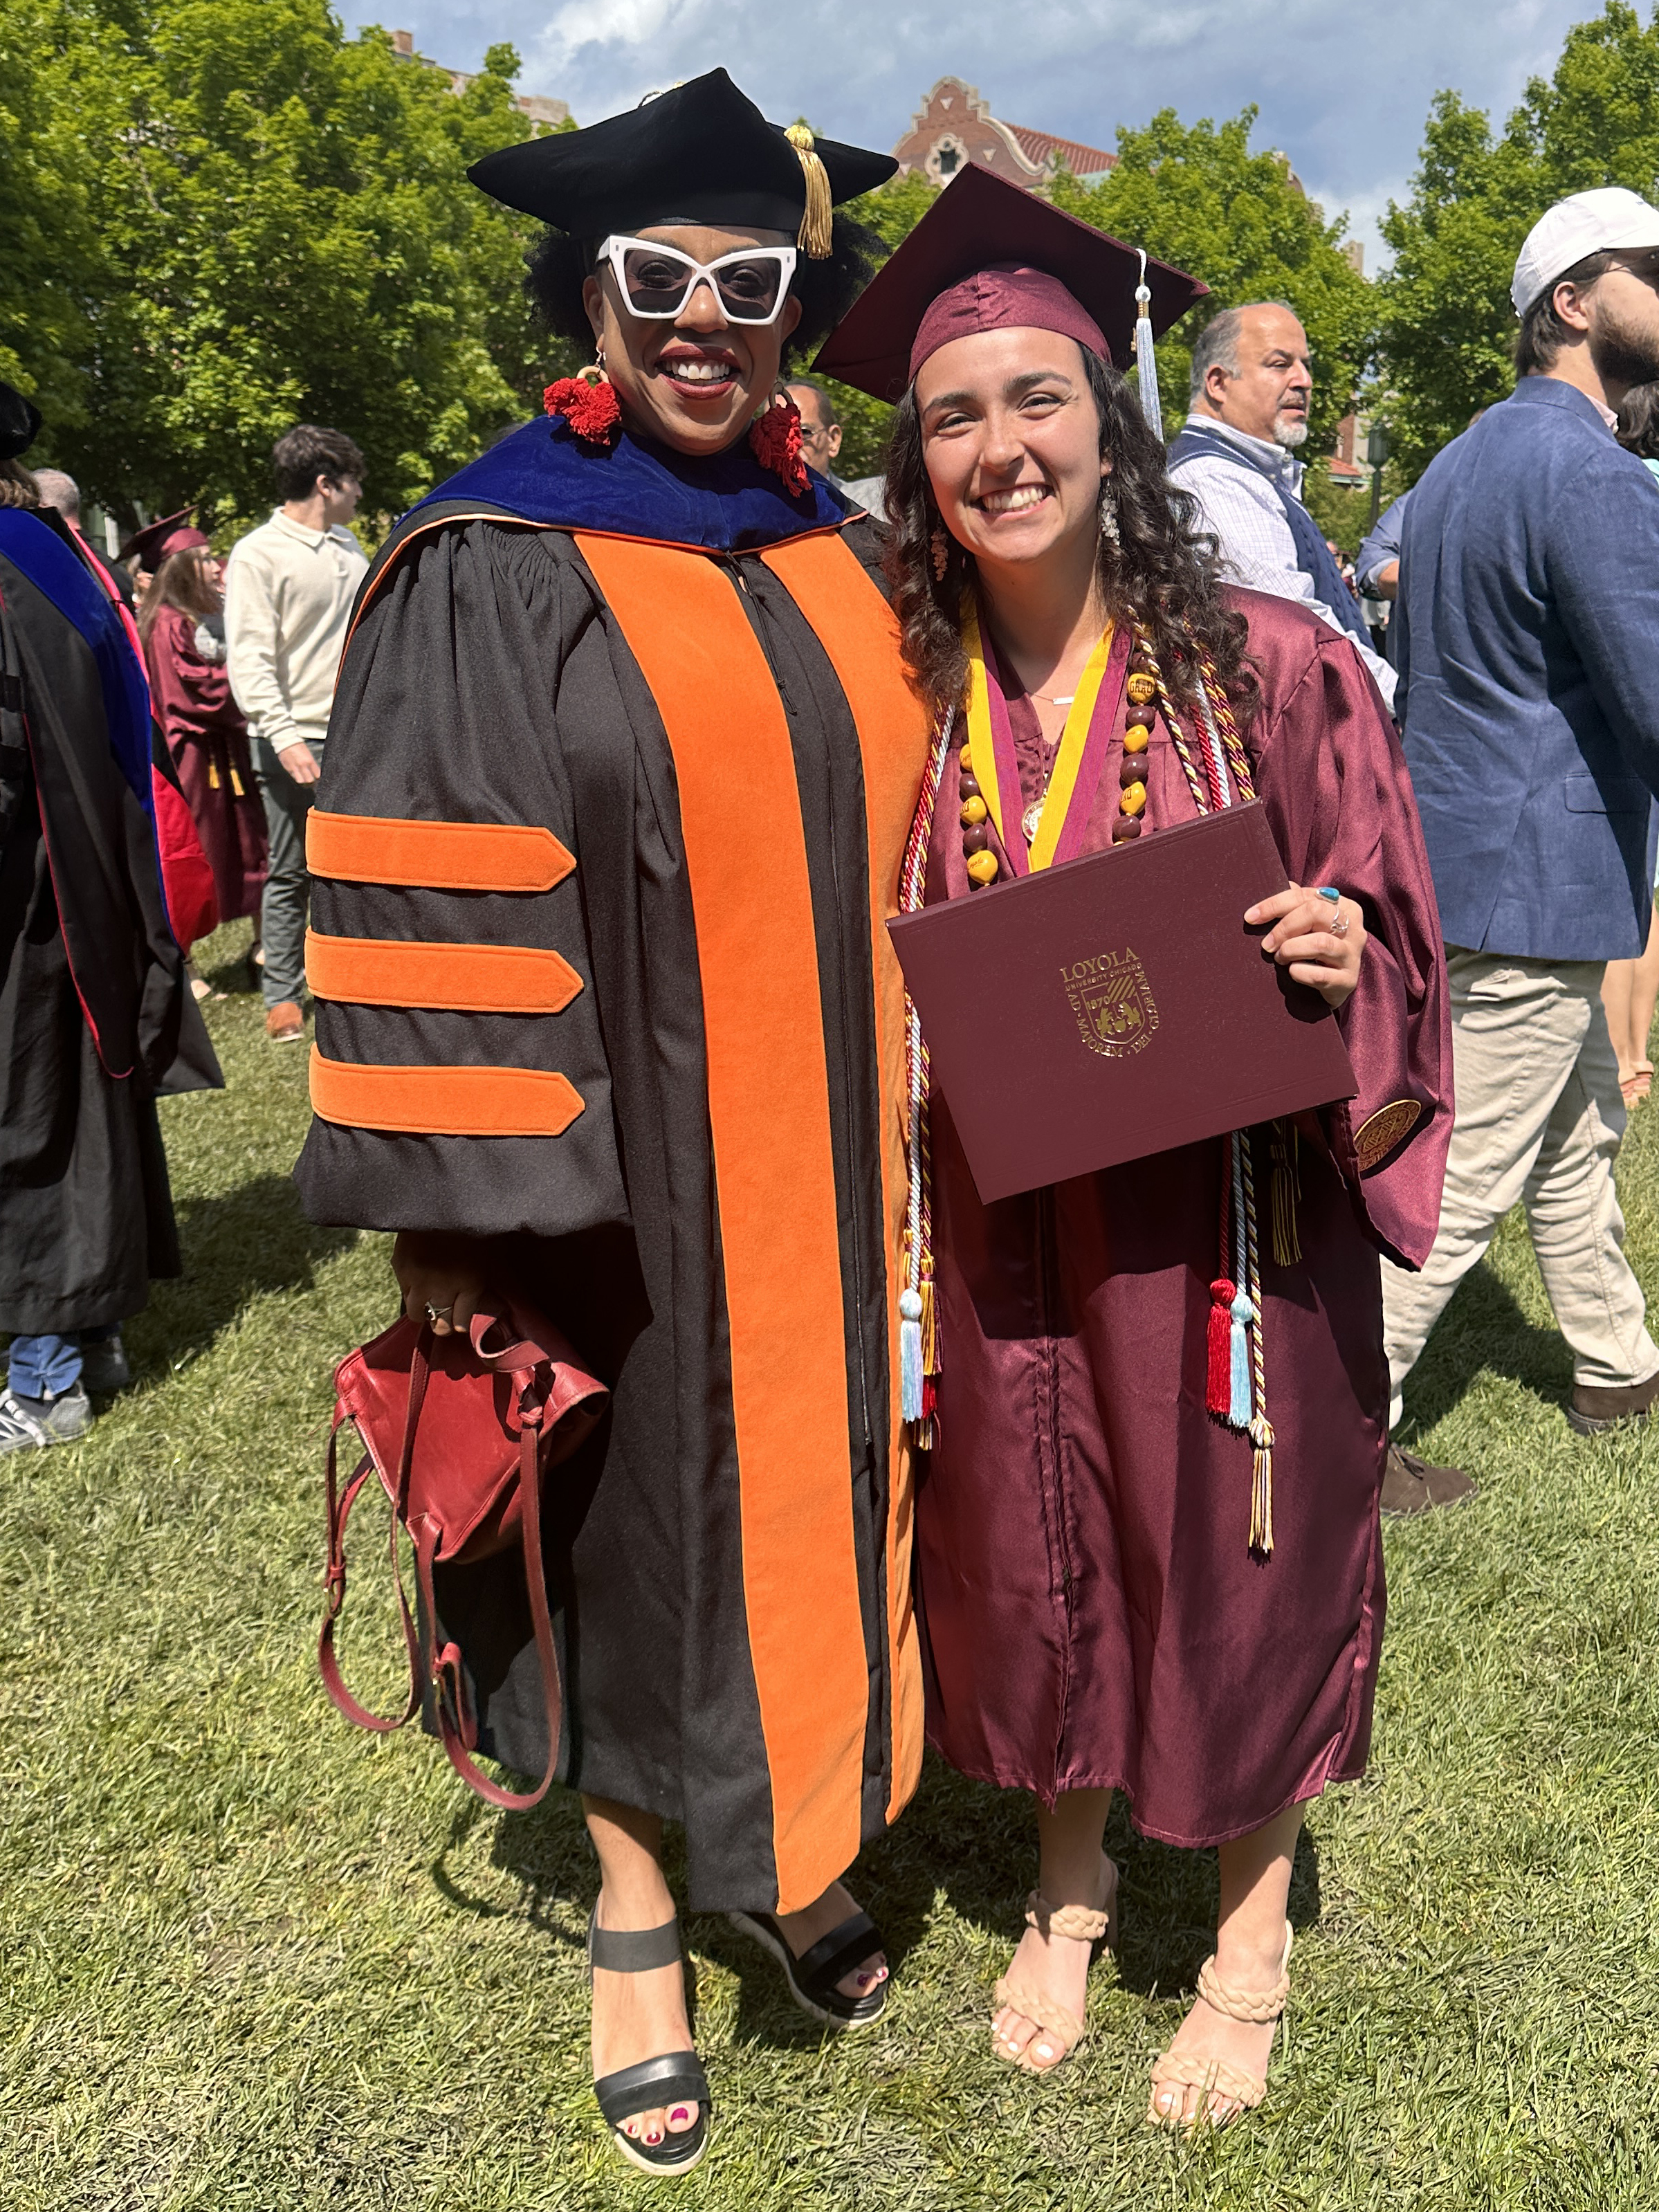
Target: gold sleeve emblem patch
[{"x": 1374, "y": 1140}]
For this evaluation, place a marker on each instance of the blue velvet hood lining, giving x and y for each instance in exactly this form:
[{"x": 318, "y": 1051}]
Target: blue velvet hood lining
[
  {"x": 48, "y": 563},
  {"x": 727, "y": 503}
]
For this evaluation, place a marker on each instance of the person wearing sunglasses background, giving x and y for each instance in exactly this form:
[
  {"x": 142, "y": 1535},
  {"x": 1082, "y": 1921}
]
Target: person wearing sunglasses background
[{"x": 619, "y": 781}]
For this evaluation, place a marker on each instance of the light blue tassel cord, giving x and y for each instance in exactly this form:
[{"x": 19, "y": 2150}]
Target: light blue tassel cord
[
  {"x": 1244, "y": 1313},
  {"x": 1145, "y": 361},
  {"x": 910, "y": 1355},
  {"x": 1238, "y": 1414}
]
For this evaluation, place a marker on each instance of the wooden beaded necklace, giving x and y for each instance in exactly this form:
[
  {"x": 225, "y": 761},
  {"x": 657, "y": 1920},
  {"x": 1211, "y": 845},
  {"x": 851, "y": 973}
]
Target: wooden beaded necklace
[{"x": 1052, "y": 827}]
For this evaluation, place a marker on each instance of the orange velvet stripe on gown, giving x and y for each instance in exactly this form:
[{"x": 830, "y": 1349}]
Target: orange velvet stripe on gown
[{"x": 769, "y": 1115}]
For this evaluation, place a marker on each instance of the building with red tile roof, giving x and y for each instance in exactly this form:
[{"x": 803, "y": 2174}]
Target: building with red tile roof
[{"x": 954, "y": 126}]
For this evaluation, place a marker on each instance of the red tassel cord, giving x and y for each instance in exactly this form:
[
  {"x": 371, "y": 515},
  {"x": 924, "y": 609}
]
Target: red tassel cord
[
  {"x": 588, "y": 404},
  {"x": 1218, "y": 1392},
  {"x": 775, "y": 441}
]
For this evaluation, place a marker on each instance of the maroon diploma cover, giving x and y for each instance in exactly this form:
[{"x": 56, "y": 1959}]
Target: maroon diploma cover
[{"x": 1115, "y": 1007}]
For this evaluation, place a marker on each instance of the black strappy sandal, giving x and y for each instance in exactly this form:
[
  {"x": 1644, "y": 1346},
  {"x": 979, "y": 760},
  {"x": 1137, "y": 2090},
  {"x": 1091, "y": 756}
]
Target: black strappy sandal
[
  {"x": 812, "y": 1977},
  {"x": 676, "y": 2078}
]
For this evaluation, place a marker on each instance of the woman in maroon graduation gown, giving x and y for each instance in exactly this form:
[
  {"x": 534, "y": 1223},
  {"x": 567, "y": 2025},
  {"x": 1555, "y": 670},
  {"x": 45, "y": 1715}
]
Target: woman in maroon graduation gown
[
  {"x": 1148, "y": 1541},
  {"x": 182, "y": 625}
]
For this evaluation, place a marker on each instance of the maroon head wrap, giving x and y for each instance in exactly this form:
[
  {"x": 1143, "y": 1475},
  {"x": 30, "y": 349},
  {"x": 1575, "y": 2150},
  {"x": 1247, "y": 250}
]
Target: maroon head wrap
[{"x": 1007, "y": 296}]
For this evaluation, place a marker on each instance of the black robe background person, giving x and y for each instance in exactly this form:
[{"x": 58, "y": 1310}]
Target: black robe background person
[{"x": 95, "y": 1018}]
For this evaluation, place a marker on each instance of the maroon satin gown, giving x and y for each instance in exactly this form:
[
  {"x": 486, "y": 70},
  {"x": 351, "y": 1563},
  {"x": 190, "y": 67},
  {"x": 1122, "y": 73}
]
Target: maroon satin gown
[
  {"x": 1093, "y": 1616},
  {"x": 208, "y": 739}
]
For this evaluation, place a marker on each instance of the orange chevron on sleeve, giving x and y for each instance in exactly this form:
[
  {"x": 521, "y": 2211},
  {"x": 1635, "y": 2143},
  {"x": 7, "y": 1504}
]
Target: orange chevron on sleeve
[
  {"x": 468, "y": 979},
  {"x": 444, "y": 1102},
  {"x": 439, "y": 856}
]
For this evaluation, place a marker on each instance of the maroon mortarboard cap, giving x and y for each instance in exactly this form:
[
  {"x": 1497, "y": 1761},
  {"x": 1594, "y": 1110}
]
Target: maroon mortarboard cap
[
  {"x": 173, "y": 534},
  {"x": 987, "y": 256}
]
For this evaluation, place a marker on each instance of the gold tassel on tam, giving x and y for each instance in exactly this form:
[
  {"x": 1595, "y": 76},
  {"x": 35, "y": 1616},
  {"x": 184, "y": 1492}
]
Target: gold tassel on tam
[
  {"x": 1286, "y": 1149},
  {"x": 213, "y": 775},
  {"x": 236, "y": 782},
  {"x": 815, "y": 222}
]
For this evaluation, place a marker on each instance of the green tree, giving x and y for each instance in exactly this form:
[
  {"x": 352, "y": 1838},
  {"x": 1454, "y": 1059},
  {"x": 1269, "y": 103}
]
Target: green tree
[
  {"x": 287, "y": 235},
  {"x": 892, "y": 212},
  {"x": 50, "y": 248},
  {"x": 1198, "y": 196},
  {"x": 1448, "y": 325}
]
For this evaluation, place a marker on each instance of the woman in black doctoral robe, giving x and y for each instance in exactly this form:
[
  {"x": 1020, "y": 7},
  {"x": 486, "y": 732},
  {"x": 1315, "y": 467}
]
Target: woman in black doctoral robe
[{"x": 619, "y": 781}]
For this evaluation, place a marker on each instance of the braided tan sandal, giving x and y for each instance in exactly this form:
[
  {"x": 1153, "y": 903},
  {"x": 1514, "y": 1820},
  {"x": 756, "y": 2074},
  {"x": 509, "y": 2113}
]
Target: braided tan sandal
[
  {"x": 1216, "y": 2077},
  {"x": 1044, "y": 2012}
]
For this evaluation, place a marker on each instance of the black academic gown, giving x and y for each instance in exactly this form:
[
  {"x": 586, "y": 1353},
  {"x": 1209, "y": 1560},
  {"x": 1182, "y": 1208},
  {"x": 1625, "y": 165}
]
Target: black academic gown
[
  {"x": 95, "y": 1019},
  {"x": 488, "y": 681}
]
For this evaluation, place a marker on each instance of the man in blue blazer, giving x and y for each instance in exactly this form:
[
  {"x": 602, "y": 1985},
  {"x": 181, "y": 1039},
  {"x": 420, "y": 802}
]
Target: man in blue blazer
[{"x": 1528, "y": 644}]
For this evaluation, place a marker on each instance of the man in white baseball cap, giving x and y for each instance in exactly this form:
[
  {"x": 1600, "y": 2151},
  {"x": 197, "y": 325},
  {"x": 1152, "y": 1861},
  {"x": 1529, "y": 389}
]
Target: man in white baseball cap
[
  {"x": 1609, "y": 220},
  {"x": 1528, "y": 646}
]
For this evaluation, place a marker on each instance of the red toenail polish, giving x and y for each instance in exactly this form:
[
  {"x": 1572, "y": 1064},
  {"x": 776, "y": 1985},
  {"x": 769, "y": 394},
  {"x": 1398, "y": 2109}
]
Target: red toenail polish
[{"x": 680, "y": 2112}]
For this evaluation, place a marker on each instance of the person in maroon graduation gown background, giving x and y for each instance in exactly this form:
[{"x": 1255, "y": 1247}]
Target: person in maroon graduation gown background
[
  {"x": 182, "y": 626},
  {"x": 1119, "y": 1588}
]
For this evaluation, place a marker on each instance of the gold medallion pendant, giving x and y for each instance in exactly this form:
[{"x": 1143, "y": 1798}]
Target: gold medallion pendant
[{"x": 1030, "y": 820}]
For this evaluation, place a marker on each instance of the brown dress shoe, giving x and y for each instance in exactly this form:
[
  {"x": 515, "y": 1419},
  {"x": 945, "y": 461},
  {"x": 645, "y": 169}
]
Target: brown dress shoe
[
  {"x": 1595, "y": 1406},
  {"x": 285, "y": 1024},
  {"x": 1410, "y": 1484}
]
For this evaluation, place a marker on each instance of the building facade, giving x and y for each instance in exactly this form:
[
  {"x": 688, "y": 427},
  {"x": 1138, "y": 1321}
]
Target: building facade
[{"x": 954, "y": 126}]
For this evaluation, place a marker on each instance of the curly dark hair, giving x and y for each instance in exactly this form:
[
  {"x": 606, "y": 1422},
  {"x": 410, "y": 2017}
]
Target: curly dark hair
[
  {"x": 1164, "y": 571},
  {"x": 558, "y": 265},
  {"x": 1638, "y": 420}
]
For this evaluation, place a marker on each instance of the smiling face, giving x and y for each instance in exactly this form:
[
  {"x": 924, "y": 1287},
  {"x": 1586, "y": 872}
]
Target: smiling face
[
  {"x": 1011, "y": 439},
  {"x": 697, "y": 382}
]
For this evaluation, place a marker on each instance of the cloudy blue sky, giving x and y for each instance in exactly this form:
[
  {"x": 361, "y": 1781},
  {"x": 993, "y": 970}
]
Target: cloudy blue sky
[{"x": 1343, "y": 89}]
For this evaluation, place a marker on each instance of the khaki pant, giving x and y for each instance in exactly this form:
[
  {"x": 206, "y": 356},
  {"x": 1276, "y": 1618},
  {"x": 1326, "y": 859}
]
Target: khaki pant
[{"x": 1539, "y": 1117}]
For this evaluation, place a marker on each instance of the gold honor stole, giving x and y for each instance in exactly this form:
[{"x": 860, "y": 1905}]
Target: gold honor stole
[
  {"x": 773, "y": 1166},
  {"x": 1079, "y": 765}
]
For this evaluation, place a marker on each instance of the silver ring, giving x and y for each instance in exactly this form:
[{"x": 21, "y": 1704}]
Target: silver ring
[
  {"x": 439, "y": 1313},
  {"x": 1338, "y": 923}
]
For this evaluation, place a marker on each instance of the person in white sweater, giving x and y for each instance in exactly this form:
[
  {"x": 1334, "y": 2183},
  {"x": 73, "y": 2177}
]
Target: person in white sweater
[{"x": 288, "y": 596}]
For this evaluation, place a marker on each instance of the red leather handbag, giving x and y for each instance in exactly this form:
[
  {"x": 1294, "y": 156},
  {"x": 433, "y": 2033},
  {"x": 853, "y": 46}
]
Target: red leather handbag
[{"x": 460, "y": 1431}]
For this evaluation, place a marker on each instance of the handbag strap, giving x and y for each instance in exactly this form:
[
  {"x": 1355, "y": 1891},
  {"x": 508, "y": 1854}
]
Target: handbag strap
[
  {"x": 456, "y": 1724},
  {"x": 339, "y": 1512}
]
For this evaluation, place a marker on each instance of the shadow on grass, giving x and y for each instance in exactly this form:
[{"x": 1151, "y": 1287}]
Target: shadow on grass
[
  {"x": 236, "y": 1247},
  {"x": 960, "y": 1840},
  {"x": 976, "y": 1847},
  {"x": 1483, "y": 1329},
  {"x": 235, "y": 975}
]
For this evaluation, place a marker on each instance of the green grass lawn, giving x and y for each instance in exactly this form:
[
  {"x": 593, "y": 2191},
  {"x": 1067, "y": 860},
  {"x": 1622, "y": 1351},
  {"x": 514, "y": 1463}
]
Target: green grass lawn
[{"x": 253, "y": 1958}]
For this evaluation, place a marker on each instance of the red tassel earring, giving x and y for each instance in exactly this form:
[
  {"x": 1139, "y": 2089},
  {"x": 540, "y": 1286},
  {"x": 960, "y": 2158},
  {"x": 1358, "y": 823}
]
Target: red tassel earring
[
  {"x": 775, "y": 441},
  {"x": 588, "y": 402}
]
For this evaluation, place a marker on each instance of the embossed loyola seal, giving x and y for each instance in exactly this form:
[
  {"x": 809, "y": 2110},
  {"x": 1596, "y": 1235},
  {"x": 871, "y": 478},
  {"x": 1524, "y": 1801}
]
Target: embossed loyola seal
[{"x": 1116, "y": 1013}]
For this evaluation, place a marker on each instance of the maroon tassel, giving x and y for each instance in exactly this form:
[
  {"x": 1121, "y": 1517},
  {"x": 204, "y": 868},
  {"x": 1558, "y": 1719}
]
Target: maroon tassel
[{"x": 1218, "y": 1393}]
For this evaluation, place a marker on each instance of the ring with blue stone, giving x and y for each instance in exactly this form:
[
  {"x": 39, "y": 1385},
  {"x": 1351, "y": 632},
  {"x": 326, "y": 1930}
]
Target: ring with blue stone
[{"x": 1338, "y": 924}]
